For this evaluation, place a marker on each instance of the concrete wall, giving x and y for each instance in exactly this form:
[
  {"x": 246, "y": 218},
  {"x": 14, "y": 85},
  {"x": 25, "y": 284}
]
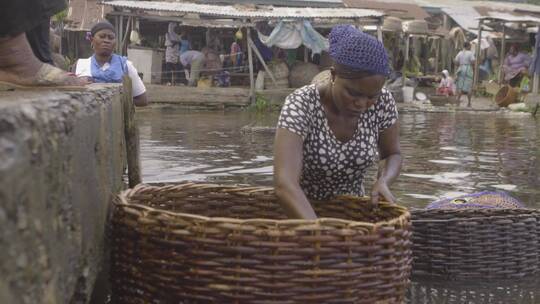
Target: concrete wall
[{"x": 61, "y": 159}]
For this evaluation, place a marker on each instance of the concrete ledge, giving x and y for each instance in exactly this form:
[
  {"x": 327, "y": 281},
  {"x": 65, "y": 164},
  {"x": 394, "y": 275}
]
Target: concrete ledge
[{"x": 61, "y": 158}]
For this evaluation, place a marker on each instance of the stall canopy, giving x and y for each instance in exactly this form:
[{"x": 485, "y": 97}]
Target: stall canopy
[
  {"x": 182, "y": 9},
  {"x": 404, "y": 11}
]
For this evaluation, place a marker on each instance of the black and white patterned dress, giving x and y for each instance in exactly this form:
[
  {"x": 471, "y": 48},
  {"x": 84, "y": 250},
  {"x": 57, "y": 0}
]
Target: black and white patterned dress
[{"x": 331, "y": 167}]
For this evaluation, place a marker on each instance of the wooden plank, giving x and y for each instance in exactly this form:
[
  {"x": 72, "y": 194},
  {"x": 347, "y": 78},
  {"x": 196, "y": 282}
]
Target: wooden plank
[
  {"x": 252, "y": 45},
  {"x": 131, "y": 133},
  {"x": 193, "y": 96}
]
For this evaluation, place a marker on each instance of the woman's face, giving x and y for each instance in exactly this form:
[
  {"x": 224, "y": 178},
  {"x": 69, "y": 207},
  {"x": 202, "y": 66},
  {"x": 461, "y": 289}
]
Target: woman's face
[
  {"x": 355, "y": 96},
  {"x": 513, "y": 50},
  {"x": 103, "y": 42}
]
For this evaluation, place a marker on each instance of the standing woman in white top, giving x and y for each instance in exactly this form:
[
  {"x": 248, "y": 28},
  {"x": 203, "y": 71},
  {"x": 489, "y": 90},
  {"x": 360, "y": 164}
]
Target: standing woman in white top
[
  {"x": 106, "y": 67},
  {"x": 464, "y": 82}
]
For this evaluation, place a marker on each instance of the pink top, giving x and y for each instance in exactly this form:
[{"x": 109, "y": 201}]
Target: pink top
[{"x": 513, "y": 65}]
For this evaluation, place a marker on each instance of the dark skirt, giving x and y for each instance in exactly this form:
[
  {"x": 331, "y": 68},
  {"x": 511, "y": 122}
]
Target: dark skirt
[{"x": 18, "y": 16}]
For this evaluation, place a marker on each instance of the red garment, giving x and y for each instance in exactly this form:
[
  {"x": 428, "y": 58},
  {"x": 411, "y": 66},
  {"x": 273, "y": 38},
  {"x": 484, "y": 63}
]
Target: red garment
[{"x": 445, "y": 91}]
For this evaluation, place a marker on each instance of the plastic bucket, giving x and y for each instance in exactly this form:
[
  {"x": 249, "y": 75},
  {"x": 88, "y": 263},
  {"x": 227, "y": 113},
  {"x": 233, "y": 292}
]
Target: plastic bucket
[{"x": 408, "y": 94}]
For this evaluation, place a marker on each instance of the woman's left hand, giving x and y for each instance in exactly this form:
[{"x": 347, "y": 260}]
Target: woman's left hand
[{"x": 380, "y": 191}]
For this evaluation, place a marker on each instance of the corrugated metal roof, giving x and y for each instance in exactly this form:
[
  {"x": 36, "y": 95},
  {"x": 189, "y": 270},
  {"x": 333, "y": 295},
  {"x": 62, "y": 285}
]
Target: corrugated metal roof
[
  {"x": 301, "y": 3},
  {"x": 461, "y": 3},
  {"x": 513, "y": 18},
  {"x": 465, "y": 16},
  {"x": 395, "y": 9},
  {"x": 247, "y": 11}
]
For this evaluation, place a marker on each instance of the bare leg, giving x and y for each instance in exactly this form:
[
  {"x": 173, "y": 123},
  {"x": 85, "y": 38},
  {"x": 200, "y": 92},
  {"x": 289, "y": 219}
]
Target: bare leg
[
  {"x": 19, "y": 65},
  {"x": 469, "y": 99},
  {"x": 459, "y": 98}
]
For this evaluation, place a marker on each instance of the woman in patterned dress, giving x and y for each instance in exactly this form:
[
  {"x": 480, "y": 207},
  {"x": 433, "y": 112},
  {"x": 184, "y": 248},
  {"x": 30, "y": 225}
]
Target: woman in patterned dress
[{"x": 328, "y": 136}]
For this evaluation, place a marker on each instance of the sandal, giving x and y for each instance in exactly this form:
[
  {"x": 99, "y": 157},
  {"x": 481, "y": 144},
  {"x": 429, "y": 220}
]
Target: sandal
[{"x": 47, "y": 77}]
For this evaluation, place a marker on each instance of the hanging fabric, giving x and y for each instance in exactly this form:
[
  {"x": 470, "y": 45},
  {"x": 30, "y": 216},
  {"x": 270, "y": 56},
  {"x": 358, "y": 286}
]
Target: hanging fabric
[{"x": 291, "y": 35}]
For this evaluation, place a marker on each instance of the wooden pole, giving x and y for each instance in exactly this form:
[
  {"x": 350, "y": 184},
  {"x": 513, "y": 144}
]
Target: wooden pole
[
  {"x": 501, "y": 56},
  {"x": 117, "y": 30},
  {"x": 535, "y": 76},
  {"x": 251, "y": 77},
  {"x": 131, "y": 134},
  {"x": 379, "y": 33},
  {"x": 256, "y": 51},
  {"x": 437, "y": 49},
  {"x": 120, "y": 35},
  {"x": 405, "y": 60},
  {"x": 477, "y": 57},
  {"x": 126, "y": 35},
  {"x": 445, "y": 48}
]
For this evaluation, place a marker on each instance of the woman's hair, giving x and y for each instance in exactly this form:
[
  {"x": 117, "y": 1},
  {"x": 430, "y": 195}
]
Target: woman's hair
[
  {"x": 103, "y": 25},
  {"x": 356, "y": 53},
  {"x": 515, "y": 46}
]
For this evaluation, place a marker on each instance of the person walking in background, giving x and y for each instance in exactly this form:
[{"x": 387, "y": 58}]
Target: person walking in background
[
  {"x": 172, "y": 54},
  {"x": 465, "y": 60},
  {"x": 19, "y": 66},
  {"x": 106, "y": 67}
]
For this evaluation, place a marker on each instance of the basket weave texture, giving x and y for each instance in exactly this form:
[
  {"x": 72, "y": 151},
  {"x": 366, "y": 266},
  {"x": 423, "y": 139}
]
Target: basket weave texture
[
  {"x": 200, "y": 243},
  {"x": 441, "y": 100},
  {"x": 506, "y": 96},
  {"x": 476, "y": 243}
]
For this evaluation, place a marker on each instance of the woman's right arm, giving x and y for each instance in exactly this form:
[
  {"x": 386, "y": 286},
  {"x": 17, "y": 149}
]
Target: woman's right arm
[{"x": 288, "y": 157}]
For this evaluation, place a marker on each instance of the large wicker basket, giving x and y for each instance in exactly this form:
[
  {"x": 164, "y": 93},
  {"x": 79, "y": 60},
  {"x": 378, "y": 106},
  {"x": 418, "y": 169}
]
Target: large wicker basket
[
  {"x": 476, "y": 243},
  {"x": 199, "y": 243},
  {"x": 506, "y": 96}
]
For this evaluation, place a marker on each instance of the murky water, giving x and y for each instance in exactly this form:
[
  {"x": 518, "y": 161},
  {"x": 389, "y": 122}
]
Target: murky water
[{"x": 445, "y": 154}]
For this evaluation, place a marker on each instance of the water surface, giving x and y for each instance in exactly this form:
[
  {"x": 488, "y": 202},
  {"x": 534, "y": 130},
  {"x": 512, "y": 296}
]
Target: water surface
[{"x": 445, "y": 154}]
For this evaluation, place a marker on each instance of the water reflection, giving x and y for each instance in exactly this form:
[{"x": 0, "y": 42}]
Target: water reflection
[
  {"x": 445, "y": 155},
  {"x": 435, "y": 291}
]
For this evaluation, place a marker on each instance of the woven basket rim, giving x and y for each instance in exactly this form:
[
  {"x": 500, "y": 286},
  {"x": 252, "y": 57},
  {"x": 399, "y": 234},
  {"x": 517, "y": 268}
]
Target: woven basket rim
[{"x": 122, "y": 200}]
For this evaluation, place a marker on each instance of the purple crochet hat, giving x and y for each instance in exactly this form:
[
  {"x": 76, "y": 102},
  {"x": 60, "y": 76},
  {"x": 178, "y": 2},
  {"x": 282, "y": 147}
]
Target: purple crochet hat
[{"x": 358, "y": 51}]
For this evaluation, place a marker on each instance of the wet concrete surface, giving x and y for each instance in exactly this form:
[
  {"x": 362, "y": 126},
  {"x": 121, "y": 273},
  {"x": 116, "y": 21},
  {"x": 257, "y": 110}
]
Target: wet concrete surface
[{"x": 61, "y": 159}]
